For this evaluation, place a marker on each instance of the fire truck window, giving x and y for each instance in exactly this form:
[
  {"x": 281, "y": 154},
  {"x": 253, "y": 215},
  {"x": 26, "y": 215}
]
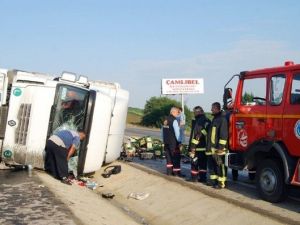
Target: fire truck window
[
  {"x": 276, "y": 89},
  {"x": 254, "y": 91},
  {"x": 295, "y": 92}
]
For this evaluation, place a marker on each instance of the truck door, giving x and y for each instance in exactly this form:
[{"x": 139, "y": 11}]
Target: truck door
[
  {"x": 75, "y": 108},
  {"x": 275, "y": 106},
  {"x": 291, "y": 116},
  {"x": 92, "y": 156},
  {"x": 249, "y": 118},
  {"x": 69, "y": 108}
]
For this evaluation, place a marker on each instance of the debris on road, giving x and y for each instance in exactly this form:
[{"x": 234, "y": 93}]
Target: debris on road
[
  {"x": 138, "y": 195},
  {"x": 108, "y": 195}
]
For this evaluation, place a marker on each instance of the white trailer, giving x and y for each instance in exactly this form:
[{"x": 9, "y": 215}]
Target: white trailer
[{"x": 34, "y": 106}]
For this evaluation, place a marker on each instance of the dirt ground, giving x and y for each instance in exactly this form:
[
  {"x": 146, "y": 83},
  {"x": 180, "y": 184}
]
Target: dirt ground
[{"x": 168, "y": 202}]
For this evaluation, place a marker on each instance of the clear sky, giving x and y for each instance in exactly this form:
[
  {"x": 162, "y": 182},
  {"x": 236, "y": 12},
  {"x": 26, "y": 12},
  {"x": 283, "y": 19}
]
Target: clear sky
[{"x": 137, "y": 42}]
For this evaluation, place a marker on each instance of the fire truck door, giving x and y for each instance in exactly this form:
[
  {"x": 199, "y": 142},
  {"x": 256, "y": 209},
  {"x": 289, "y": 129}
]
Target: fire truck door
[
  {"x": 250, "y": 121},
  {"x": 291, "y": 117},
  {"x": 275, "y": 106}
]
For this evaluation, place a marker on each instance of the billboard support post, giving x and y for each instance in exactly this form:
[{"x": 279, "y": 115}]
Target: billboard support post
[{"x": 182, "y": 103}]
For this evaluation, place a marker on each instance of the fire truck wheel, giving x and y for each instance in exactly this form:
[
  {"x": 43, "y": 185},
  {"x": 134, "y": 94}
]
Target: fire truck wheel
[
  {"x": 235, "y": 174},
  {"x": 269, "y": 181}
]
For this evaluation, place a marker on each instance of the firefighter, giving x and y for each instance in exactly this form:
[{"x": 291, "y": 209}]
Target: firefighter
[
  {"x": 216, "y": 147},
  {"x": 170, "y": 134},
  {"x": 197, "y": 145}
]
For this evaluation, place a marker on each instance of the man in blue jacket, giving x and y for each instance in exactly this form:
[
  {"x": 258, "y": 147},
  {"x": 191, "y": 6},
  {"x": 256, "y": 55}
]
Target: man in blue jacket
[{"x": 59, "y": 148}]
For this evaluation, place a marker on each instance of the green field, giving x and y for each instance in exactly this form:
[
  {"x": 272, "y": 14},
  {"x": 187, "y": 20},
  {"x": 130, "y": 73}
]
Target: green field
[{"x": 134, "y": 115}]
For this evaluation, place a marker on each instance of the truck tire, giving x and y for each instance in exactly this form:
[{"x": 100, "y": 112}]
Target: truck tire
[
  {"x": 270, "y": 181},
  {"x": 235, "y": 174}
]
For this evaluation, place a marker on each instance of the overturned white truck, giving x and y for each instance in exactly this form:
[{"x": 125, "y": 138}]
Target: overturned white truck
[{"x": 34, "y": 106}]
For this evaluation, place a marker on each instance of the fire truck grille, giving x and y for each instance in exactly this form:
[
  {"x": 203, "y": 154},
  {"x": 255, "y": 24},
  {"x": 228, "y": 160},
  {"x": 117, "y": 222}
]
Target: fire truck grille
[{"x": 23, "y": 117}]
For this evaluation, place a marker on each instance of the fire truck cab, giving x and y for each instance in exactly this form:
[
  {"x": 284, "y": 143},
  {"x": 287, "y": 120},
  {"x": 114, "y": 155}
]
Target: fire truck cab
[{"x": 264, "y": 128}]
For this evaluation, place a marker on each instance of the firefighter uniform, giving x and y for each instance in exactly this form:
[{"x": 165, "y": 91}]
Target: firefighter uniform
[
  {"x": 197, "y": 147},
  {"x": 216, "y": 150},
  {"x": 171, "y": 145}
]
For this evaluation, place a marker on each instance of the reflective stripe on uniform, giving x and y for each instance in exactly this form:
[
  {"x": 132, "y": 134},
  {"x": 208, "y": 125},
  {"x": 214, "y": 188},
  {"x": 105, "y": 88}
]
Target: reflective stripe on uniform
[
  {"x": 176, "y": 169},
  {"x": 213, "y": 135},
  {"x": 195, "y": 141},
  {"x": 213, "y": 177},
  {"x": 222, "y": 179},
  {"x": 211, "y": 152},
  {"x": 200, "y": 149},
  {"x": 202, "y": 171},
  {"x": 203, "y": 131},
  {"x": 223, "y": 169},
  {"x": 222, "y": 142},
  {"x": 169, "y": 165},
  {"x": 221, "y": 152},
  {"x": 194, "y": 172}
]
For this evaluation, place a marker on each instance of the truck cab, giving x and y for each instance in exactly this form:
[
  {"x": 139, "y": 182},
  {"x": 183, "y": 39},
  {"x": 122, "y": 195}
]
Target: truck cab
[
  {"x": 264, "y": 128},
  {"x": 35, "y": 106}
]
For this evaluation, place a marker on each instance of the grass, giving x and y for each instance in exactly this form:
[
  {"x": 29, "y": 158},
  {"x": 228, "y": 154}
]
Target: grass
[{"x": 134, "y": 115}]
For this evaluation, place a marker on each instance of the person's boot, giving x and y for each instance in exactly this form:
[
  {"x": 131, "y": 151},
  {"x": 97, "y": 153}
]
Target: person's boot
[
  {"x": 211, "y": 183},
  {"x": 221, "y": 184},
  {"x": 202, "y": 178},
  {"x": 169, "y": 172}
]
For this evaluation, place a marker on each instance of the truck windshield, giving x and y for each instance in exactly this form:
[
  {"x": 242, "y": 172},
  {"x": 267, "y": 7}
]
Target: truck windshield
[{"x": 69, "y": 108}]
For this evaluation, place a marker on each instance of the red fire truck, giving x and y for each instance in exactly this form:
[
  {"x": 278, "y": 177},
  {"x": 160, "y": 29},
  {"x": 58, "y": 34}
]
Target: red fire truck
[{"x": 264, "y": 128}]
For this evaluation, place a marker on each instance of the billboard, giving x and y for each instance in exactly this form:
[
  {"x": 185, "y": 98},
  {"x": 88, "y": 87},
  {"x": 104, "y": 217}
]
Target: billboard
[{"x": 182, "y": 86}]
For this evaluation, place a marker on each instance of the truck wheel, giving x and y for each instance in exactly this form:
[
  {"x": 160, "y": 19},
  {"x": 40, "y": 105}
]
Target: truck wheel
[
  {"x": 235, "y": 174},
  {"x": 269, "y": 181}
]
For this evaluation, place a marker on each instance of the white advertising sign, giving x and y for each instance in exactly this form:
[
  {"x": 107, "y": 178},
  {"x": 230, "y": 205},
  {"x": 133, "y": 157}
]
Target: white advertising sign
[{"x": 182, "y": 86}]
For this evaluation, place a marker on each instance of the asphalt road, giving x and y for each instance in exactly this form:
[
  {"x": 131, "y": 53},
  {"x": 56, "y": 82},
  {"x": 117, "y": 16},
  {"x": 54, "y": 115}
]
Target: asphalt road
[
  {"x": 243, "y": 181},
  {"x": 24, "y": 200}
]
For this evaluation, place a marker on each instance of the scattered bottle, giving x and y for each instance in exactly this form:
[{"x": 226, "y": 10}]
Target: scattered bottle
[{"x": 30, "y": 170}]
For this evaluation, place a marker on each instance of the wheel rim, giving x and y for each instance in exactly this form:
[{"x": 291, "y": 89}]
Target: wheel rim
[{"x": 268, "y": 181}]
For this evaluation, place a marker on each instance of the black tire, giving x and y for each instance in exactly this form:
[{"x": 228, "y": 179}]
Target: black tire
[
  {"x": 235, "y": 174},
  {"x": 270, "y": 181}
]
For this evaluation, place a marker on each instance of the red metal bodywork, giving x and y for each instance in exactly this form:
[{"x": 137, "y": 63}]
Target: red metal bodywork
[{"x": 250, "y": 123}]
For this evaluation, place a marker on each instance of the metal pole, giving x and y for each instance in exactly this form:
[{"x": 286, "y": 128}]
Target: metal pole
[{"x": 182, "y": 103}]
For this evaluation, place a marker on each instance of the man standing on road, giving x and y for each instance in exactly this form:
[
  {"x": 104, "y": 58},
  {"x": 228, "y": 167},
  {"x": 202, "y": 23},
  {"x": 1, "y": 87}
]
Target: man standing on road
[
  {"x": 59, "y": 148},
  {"x": 197, "y": 145},
  {"x": 181, "y": 122},
  {"x": 170, "y": 134},
  {"x": 216, "y": 147}
]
